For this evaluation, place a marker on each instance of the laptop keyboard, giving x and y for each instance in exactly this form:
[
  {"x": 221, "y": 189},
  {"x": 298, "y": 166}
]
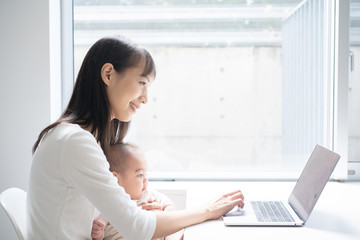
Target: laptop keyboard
[{"x": 271, "y": 211}]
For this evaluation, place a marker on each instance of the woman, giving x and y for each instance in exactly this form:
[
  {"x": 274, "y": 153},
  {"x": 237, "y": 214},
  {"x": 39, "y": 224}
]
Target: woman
[{"x": 70, "y": 179}]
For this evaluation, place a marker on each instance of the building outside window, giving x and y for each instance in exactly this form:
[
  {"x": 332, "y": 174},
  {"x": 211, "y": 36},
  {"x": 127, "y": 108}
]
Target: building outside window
[{"x": 234, "y": 91}]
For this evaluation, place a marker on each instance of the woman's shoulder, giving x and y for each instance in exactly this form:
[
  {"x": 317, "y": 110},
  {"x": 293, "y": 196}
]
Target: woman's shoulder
[
  {"x": 70, "y": 135},
  {"x": 69, "y": 127},
  {"x": 78, "y": 144},
  {"x": 68, "y": 130}
]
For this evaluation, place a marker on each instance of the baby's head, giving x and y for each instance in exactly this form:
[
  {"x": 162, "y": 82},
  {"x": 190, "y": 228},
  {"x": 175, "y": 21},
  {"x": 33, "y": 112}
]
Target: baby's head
[{"x": 128, "y": 164}]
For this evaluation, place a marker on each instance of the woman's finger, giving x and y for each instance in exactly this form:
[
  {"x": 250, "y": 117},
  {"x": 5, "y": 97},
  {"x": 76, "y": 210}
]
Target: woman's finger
[
  {"x": 240, "y": 203},
  {"x": 238, "y": 195},
  {"x": 232, "y": 193}
]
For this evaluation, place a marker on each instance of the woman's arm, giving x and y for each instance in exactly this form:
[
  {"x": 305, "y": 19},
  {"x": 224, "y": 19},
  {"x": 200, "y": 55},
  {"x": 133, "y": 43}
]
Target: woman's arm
[
  {"x": 84, "y": 167},
  {"x": 168, "y": 222},
  {"x": 158, "y": 201}
]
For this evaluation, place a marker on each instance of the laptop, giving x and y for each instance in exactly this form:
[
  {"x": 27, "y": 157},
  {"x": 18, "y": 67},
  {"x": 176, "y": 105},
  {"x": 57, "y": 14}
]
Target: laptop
[{"x": 295, "y": 211}]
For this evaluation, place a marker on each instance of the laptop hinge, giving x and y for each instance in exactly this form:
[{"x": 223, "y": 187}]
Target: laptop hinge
[{"x": 297, "y": 213}]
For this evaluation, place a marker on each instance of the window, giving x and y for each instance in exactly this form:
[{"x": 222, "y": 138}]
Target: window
[{"x": 222, "y": 103}]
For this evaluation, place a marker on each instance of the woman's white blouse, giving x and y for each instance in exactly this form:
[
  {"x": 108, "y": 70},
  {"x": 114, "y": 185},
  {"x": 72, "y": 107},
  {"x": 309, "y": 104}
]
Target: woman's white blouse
[{"x": 69, "y": 181}]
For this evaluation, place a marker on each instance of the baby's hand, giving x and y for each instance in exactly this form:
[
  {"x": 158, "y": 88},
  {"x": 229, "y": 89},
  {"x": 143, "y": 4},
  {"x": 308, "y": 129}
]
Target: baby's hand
[
  {"x": 150, "y": 206},
  {"x": 97, "y": 231}
]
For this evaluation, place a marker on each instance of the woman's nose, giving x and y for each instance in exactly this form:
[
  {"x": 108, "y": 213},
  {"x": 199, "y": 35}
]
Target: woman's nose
[{"x": 144, "y": 97}]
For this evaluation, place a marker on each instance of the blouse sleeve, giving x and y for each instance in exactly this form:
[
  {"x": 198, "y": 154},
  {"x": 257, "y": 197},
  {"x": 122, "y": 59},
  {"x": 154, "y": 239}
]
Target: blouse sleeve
[{"x": 84, "y": 166}]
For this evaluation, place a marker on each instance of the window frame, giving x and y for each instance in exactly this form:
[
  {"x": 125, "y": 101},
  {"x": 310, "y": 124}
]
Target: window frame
[
  {"x": 67, "y": 51},
  {"x": 340, "y": 60}
]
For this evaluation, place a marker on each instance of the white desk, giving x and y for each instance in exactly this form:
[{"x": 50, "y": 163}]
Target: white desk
[{"x": 335, "y": 216}]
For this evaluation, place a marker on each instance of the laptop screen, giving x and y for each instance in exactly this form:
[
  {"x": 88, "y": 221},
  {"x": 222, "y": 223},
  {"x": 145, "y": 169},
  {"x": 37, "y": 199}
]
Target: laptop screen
[{"x": 312, "y": 181}]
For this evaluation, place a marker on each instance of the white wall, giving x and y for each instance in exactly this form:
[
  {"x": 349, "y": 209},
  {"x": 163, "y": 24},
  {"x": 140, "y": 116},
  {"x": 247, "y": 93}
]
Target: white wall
[{"x": 24, "y": 90}]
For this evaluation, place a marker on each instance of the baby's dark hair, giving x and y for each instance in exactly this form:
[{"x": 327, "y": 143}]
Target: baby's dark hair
[{"x": 117, "y": 156}]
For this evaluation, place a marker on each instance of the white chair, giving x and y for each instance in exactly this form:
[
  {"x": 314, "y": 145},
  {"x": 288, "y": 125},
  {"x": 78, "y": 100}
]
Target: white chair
[{"x": 13, "y": 201}]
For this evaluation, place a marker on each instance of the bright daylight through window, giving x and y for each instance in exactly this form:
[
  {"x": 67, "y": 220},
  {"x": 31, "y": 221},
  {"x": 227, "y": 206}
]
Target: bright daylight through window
[{"x": 239, "y": 83}]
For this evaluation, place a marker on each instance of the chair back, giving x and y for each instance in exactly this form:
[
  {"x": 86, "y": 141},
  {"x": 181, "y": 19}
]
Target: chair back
[{"x": 13, "y": 201}]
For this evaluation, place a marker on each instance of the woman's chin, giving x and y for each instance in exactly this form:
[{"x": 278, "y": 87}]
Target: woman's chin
[{"x": 123, "y": 119}]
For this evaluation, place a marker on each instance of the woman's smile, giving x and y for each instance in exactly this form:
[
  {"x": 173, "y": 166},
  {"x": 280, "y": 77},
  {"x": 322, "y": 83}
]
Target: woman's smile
[{"x": 134, "y": 107}]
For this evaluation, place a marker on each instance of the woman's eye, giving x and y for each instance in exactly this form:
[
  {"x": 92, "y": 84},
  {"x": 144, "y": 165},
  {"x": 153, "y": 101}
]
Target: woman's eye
[
  {"x": 143, "y": 84},
  {"x": 140, "y": 175}
]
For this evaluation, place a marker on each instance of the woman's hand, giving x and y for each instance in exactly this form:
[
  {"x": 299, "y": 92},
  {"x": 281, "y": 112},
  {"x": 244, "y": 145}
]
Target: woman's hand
[
  {"x": 168, "y": 222},
  {"x": 224, "y": 204}
]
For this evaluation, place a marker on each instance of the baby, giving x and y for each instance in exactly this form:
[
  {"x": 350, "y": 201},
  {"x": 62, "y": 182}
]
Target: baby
[{"x": 128, "y": 164}]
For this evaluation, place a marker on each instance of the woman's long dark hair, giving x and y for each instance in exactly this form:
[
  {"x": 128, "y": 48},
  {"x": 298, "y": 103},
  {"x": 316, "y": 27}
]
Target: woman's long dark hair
[{"x": 89, "y": 105}]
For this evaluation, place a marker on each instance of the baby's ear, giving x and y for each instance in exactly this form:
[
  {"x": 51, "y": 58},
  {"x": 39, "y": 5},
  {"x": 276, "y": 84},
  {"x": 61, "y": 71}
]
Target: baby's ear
[{"x": 115, "y": 174}]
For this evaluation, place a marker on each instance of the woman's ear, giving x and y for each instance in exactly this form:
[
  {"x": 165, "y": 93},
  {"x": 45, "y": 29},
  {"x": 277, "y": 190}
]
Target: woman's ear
[{"x": 106, "y": 71}]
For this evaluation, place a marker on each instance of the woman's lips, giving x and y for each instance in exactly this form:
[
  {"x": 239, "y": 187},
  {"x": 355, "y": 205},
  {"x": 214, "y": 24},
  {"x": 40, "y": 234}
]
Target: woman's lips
[{"x": 133, "y": 106}]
